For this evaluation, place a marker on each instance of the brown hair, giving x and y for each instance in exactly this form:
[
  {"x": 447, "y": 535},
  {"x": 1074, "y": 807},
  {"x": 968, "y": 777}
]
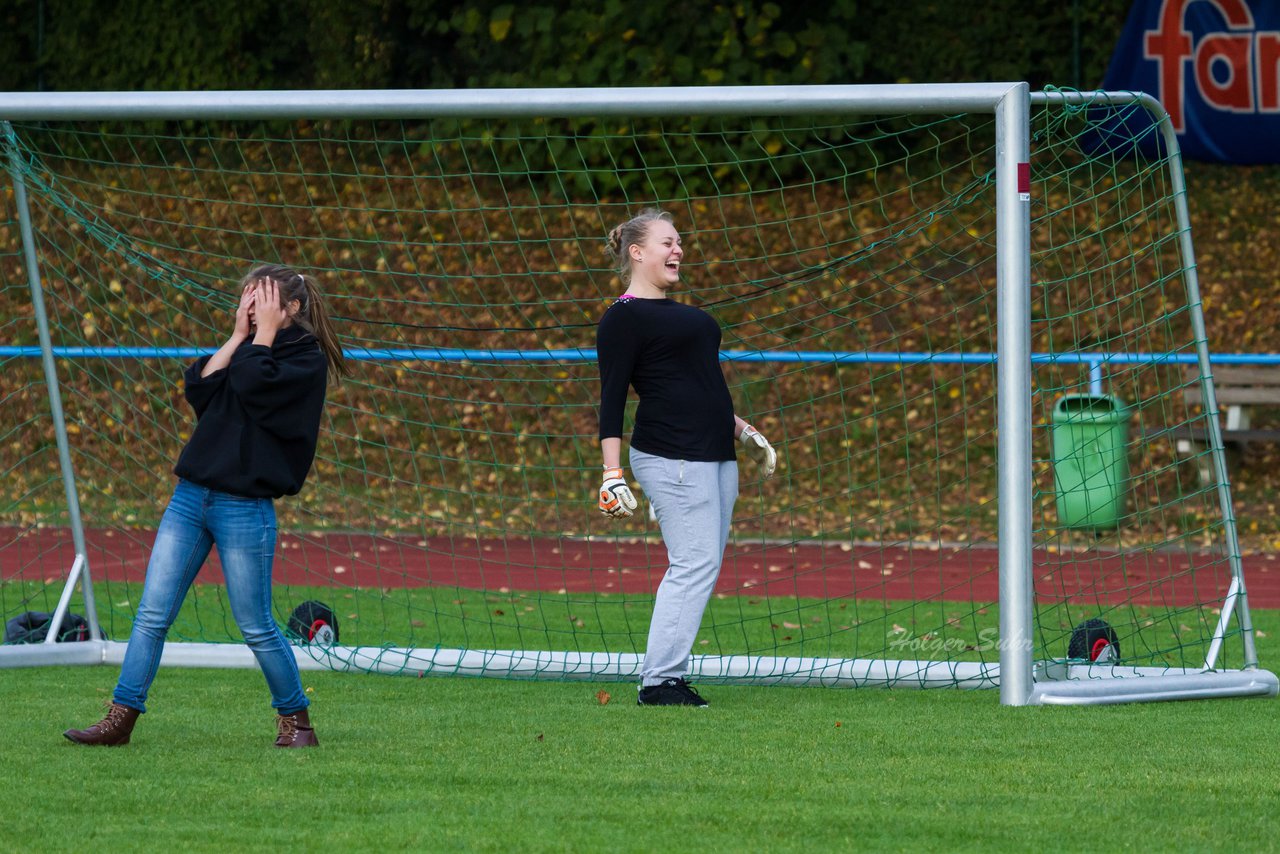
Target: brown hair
[
  {"x": 634, "y": 230},
  {"x": 313, "y": 311}
]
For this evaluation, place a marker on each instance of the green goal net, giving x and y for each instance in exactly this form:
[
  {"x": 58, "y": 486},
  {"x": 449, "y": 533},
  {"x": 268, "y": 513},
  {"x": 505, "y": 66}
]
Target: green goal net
[{"x": 449, "y": 522}]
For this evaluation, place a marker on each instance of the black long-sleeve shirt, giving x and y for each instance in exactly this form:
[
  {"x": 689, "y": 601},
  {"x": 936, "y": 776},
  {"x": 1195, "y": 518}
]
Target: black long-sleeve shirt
[
  {"x": 258, "y": 418},
  {"x": 669, "y": 353}
]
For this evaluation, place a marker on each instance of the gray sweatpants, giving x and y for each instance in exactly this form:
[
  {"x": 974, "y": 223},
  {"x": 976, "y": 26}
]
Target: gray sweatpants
[{"x": 694, "y": 506}]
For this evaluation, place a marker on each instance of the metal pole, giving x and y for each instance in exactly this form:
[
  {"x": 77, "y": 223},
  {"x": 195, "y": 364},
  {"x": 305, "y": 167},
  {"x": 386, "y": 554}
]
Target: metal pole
[
  {"x": 55, "y": 397},
  {"x": 1013, "y": 373},
  {"x": 64, "y": 601},
  {"x": 914, "y": 98},
  {"x": 1220, "y": 631},
  {"x": 1216, "y": 450}
]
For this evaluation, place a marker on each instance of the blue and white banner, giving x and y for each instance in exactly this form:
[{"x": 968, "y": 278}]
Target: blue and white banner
[{"x": 1215, "y": 66}]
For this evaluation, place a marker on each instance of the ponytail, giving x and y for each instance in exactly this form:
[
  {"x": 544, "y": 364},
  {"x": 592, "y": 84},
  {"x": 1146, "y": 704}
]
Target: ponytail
[{"x": 316, "y": 309}]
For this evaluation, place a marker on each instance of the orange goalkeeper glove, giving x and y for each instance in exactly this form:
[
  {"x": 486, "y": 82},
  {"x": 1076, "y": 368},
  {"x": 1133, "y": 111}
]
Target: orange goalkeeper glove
[{"x": 615, "y": 496}]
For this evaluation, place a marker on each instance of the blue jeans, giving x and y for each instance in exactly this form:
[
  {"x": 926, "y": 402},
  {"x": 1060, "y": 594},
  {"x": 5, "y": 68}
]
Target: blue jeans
[{"x": 244, "y": 529}]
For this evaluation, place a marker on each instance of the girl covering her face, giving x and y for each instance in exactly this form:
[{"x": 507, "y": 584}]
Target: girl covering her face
[{"x": 258, "y": 402}]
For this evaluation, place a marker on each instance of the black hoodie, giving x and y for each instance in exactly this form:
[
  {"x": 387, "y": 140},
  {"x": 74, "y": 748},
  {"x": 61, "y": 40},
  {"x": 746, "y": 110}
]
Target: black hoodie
[{"x": 258, "y": 419}]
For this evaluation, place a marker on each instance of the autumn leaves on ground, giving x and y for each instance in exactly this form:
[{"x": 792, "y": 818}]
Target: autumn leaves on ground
[{"x": 870, "y": 451}]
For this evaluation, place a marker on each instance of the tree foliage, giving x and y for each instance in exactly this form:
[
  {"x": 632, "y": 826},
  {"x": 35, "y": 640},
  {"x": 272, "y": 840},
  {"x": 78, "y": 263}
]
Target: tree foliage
[{"x": 281, "y": 44}]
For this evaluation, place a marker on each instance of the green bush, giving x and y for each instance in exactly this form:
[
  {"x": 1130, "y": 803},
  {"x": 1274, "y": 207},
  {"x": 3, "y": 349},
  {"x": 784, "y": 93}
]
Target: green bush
[{"x": 275, "y": 44}]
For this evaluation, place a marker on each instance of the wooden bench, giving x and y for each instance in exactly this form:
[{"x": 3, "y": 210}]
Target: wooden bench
[{"x": 1237, "y": 388}]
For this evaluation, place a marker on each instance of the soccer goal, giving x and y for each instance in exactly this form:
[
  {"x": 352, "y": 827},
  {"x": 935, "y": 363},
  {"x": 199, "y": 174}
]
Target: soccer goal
[{"x": 966, "y": 314}]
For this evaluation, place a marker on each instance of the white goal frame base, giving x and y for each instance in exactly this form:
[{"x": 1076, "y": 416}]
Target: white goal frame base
[{"x": 1057, "y": 683}]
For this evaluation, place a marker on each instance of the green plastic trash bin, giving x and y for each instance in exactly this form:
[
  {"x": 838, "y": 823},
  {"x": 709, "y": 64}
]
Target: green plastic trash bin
[{"x": 1090, "y": 460}]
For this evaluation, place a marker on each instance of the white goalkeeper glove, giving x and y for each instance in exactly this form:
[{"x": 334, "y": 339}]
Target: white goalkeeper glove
[
  {"x": 759, "y": 448},
  {"x": 615, "y": 496}
]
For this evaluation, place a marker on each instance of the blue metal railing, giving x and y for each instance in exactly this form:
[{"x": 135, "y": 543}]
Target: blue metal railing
[{"x": 1094, "y": 361}]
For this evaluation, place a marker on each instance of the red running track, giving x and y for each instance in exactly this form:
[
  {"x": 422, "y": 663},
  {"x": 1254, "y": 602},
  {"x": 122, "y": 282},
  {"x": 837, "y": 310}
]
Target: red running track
[{"x": 895, "y": 572}]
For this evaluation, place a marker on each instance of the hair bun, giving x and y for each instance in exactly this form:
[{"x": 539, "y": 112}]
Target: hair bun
[{"x": 615, "y": 239}]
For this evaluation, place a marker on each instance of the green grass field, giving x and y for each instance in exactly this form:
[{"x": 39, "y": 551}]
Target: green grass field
[
  {"x": 449, "y": 764},
  {"x": 456, "y": 764}
]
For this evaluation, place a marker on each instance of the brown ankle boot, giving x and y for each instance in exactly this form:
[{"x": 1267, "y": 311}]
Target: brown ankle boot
[
  {"x": 111, "y": 731},
  {"x": 295, "y": 730}
]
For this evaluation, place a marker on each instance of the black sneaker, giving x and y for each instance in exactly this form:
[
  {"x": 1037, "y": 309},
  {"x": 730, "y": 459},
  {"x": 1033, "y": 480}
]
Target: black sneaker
[{"x": 670, "y": 692}]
